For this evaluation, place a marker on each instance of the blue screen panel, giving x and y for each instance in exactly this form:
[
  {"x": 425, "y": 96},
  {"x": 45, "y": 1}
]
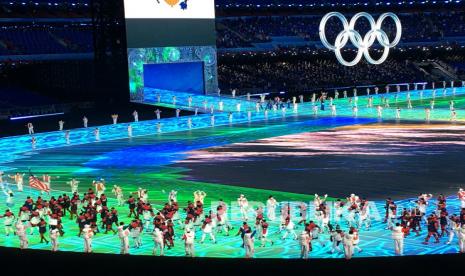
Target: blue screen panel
[{"x": 179, "y": 77}]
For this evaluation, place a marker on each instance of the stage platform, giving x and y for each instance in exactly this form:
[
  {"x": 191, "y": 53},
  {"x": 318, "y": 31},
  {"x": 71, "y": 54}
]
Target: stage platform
[
  {"x": 419, "y": 99},
  {"x": 310, "y": 152}
]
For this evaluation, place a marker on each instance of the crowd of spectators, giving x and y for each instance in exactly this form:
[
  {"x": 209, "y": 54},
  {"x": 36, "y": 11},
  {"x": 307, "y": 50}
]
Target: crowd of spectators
[
  {"x": 234, "y": 32},
  {"x": 279, "y": 3},
  {"x": 45, "y": 39},
  {"x": 45, "y": 8},
  {"x": 455, "y": 62},
  {"x": 282, "y": 72}
]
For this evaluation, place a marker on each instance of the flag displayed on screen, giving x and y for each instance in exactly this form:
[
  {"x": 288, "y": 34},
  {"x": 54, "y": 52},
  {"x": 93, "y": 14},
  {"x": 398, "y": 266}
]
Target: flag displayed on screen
[{"x": 169, "y": 8}]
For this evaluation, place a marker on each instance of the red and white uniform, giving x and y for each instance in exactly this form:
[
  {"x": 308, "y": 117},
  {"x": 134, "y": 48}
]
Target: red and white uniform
[
  {"x": 289, "y": 228},
  {"x": 188, "y": 238},
  {"x": 207, "y": 229},
  {"x": 88, "y": 234},
  {"x": 222, "y": 220},
  {"x": 353, "y": 199},
  {"x": 318, "y": 201},
  {"x": 356, "y": 240}
]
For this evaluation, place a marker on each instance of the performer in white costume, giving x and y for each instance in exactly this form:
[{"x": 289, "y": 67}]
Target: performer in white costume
[
  {"x": 85, "y": 121},
  {"x": 18, "y": 178},
  {"x": 135, "y": 114},
  {"x": 188, "y": 238},
  {"x": 243, "y": 206},
  {"x": 158, "y": 243},
  {"x": 304, "y": 242},
  {"x": 123, "y": 235},
  {"x": 88, "y": 234},
  {"x": 118, "y": 192},
  {"x": 54, "y": 234},
  {"x": 271, "y": 205}
]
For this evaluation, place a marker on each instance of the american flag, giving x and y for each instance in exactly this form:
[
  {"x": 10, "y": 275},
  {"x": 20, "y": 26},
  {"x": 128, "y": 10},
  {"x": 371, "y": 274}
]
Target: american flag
[{"x": 37, "y": 184}]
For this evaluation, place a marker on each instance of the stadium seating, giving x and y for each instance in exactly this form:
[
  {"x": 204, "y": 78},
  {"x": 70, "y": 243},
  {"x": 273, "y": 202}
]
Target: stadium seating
[
  {"x": 417, "y": 27},
  {"x": 30, "y": 40},
  {"x": 313, "y": 3}
]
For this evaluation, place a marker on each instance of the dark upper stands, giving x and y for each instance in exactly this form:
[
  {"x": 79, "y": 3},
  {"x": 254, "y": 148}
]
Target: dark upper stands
[
  {"x": 238, "y": 32},
  {"x": 292, "y": 61},
  {"x": 45, "y": 38},
  {"x": 416, "y": 27},
  {"x": 334, "y": 3}
]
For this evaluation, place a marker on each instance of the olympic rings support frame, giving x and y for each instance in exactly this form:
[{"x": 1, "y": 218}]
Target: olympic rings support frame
[{"x": 362, "y": 44}]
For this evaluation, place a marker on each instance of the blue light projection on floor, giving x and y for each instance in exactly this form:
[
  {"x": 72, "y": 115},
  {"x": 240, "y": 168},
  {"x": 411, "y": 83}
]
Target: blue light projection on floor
[
  {"x": 20, "y": 144},
  {"x": 164, "y": 152},
  {"x": 121, "y": 157}
]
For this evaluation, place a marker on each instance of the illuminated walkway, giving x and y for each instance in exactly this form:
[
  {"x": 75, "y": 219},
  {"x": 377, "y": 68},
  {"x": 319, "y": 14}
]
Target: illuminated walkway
[
  {"x": 420, "y": 100},
  {"x": 153, "y": 161}
]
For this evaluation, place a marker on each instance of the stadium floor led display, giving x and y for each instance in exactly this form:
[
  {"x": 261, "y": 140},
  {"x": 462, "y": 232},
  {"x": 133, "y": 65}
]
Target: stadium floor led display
[{"x": 177, "y": 157}]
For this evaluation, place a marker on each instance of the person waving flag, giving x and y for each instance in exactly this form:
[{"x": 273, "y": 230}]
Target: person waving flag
[{"x": 35, "y": 183}]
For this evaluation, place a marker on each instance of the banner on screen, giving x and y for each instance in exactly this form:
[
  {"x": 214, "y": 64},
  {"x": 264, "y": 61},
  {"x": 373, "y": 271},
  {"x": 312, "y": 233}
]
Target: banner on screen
[
  {"x": 169, "y": 9},
  {"x": 177, "y": 77}
]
